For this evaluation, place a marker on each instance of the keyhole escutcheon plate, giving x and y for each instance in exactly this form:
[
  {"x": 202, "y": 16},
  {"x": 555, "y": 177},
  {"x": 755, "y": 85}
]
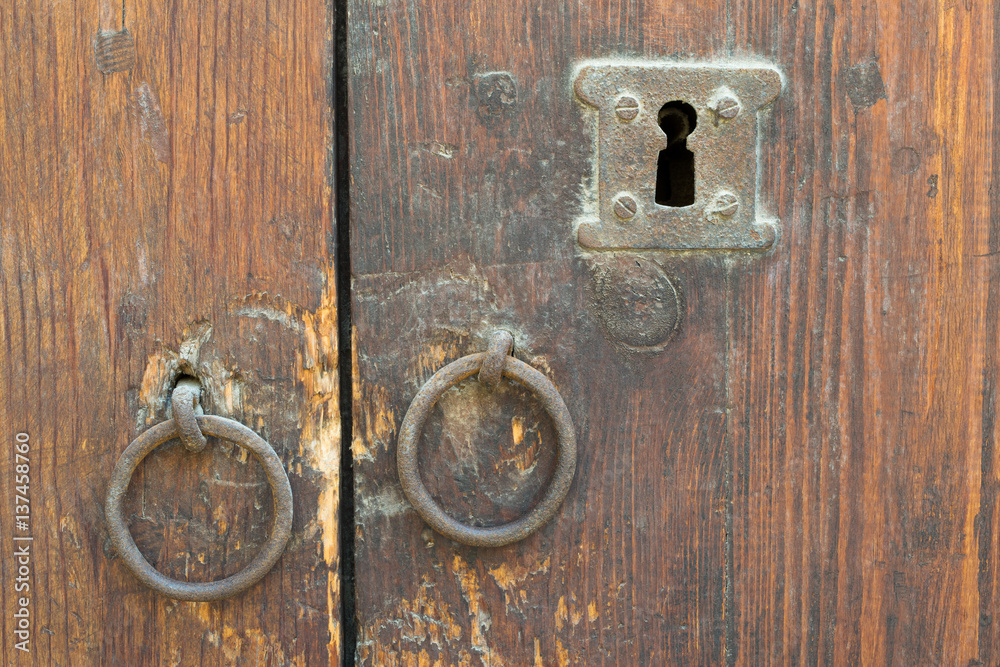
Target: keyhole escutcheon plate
[{"x": 629, "y": 98}]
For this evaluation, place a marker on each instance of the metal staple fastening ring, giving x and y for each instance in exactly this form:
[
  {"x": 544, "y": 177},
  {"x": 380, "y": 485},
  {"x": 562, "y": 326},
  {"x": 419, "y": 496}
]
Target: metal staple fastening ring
[
  {"x": 413, "y": 424},
  {"x": 183, "y": 401},
  {"x": 501, "y": 345},
  {"x": 281, "y": 490}
]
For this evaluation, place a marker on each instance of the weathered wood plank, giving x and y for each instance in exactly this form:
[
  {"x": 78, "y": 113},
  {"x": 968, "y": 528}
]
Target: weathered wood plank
[
  {"x": 862, "y": 370},
  {"x": 463, "y": 205},
  {"x": 167, "y": 212}
]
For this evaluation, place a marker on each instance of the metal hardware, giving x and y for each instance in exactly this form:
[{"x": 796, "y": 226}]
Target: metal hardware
[
  {"x": 219, "y": 427},
  {"x": 183, "y": 401},
  {"x": 628, "y": 108},
  {"x": 413, "y": 424},
  {"x": 726, "y": 105},
  {"x": 625, "y": 206},
  {"x": 501, "y": 345},
  {"x": 639, "y": 305},
  {"x": 724, "y": 143}
]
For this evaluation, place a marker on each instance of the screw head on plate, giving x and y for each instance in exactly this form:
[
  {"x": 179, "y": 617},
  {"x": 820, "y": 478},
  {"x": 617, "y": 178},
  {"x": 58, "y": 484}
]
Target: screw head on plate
[
  {"x": 627, "y": 108},
  {"x": 727, "y": 106},
  {"x": 625, "y": 206},
  {"x": 726, "y": 204}
]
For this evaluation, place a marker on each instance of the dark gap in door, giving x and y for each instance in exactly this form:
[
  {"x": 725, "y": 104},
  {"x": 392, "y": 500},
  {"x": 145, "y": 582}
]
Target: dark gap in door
[{"x": 342, "y": 265}]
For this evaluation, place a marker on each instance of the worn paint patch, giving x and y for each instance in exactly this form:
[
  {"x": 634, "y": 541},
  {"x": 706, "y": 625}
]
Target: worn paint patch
[
  {"x": 517, "y": 429},
  {"x": 151, "y": 121},
  {"x": 562, "y": 654},
  {"x": 568, "y": 612},
  {"x": 864, "y": 85},
  {"x": 319, "y": 443},
  {"x": 427, "y": 619},
  {"x": 162, "y": 369},
  {"x": 512, "y": 579},
  {"x": 439, "y": 148},
  {"x": 266, "y": 649},
  {"x": 374, "y": 409},
  {"x": 562, "y": 613},
  {"x": 374, "y": 420},
  {"x": 523, "y": 458},
  {"x": 481, "y": 620},
  {"x": 273, "y": 308},
  {"x": 386, "y": 501},
  {"x": 432, "y": 357}
]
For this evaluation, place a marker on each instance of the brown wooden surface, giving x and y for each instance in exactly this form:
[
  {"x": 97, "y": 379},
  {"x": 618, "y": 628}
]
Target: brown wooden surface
[
  {"x": 807, "y": 474},
  {"x": 462, "y": 221},
  {"x": 168, "y": 212},
  {"x": 863, "y": 364}
]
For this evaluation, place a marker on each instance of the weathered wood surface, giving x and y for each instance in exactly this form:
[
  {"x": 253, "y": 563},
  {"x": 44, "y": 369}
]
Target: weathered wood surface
[
  {"x": 166, "y": 212},
  {"x": 807, "y": 474},
  {"x": 863, "y": 360},
  {"x": 463, "y": 203}
]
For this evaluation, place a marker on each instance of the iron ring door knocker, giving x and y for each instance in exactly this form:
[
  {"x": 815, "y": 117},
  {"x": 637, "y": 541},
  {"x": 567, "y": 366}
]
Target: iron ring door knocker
[
  {"x": 191, "y": 429},
  {"x": 490, "y": 365}
]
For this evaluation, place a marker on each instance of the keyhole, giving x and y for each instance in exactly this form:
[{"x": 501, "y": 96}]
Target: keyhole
[{"x": 675, "y": 167}]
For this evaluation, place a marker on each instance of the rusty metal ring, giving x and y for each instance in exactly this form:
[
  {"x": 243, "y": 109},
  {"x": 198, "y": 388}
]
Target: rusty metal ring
[
  {"x": 281, "y": 529},
  {"x": 413, "y": 424}
]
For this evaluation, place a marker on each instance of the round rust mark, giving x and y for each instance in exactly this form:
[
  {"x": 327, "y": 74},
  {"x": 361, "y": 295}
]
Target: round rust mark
[
  {"x": 637, "y": 302},
  {"x": 281, "y": 530},
  {"x": 627, "y": 108},
  {"x": 497, "y": 93},
  {"x": 625, "y": 206},
  {"x": 905, "y": 160},
  {"x": 413, "y": 424}
]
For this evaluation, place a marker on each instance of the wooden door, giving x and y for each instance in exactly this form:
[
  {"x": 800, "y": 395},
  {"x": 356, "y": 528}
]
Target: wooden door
[
  {"x": 785, "y": 456},
  {"x": 805, "y": 472},
  {"x": 166, "y": 209}
]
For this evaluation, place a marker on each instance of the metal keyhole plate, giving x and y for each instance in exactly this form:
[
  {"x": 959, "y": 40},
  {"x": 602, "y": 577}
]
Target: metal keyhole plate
[{"x": 627, "y": 97}]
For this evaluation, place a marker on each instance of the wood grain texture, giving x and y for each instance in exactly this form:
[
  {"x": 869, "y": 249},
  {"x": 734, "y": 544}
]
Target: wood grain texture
[
  {"x": 166, "y": 213},
  {"x": 808, "y": 474},
  {"x": 462, "y": 205},
  {"x": 862, "y": 366}
]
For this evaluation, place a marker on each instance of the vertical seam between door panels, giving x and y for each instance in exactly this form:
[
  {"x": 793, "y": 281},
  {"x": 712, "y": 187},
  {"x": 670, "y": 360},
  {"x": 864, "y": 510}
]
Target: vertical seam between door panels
[{"x": 342, "y": 264}]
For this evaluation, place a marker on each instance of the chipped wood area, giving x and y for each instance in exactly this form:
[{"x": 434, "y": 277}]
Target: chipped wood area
[
  {"x": 807, "y": 472},
  {"x": 166, "y": 210}
]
